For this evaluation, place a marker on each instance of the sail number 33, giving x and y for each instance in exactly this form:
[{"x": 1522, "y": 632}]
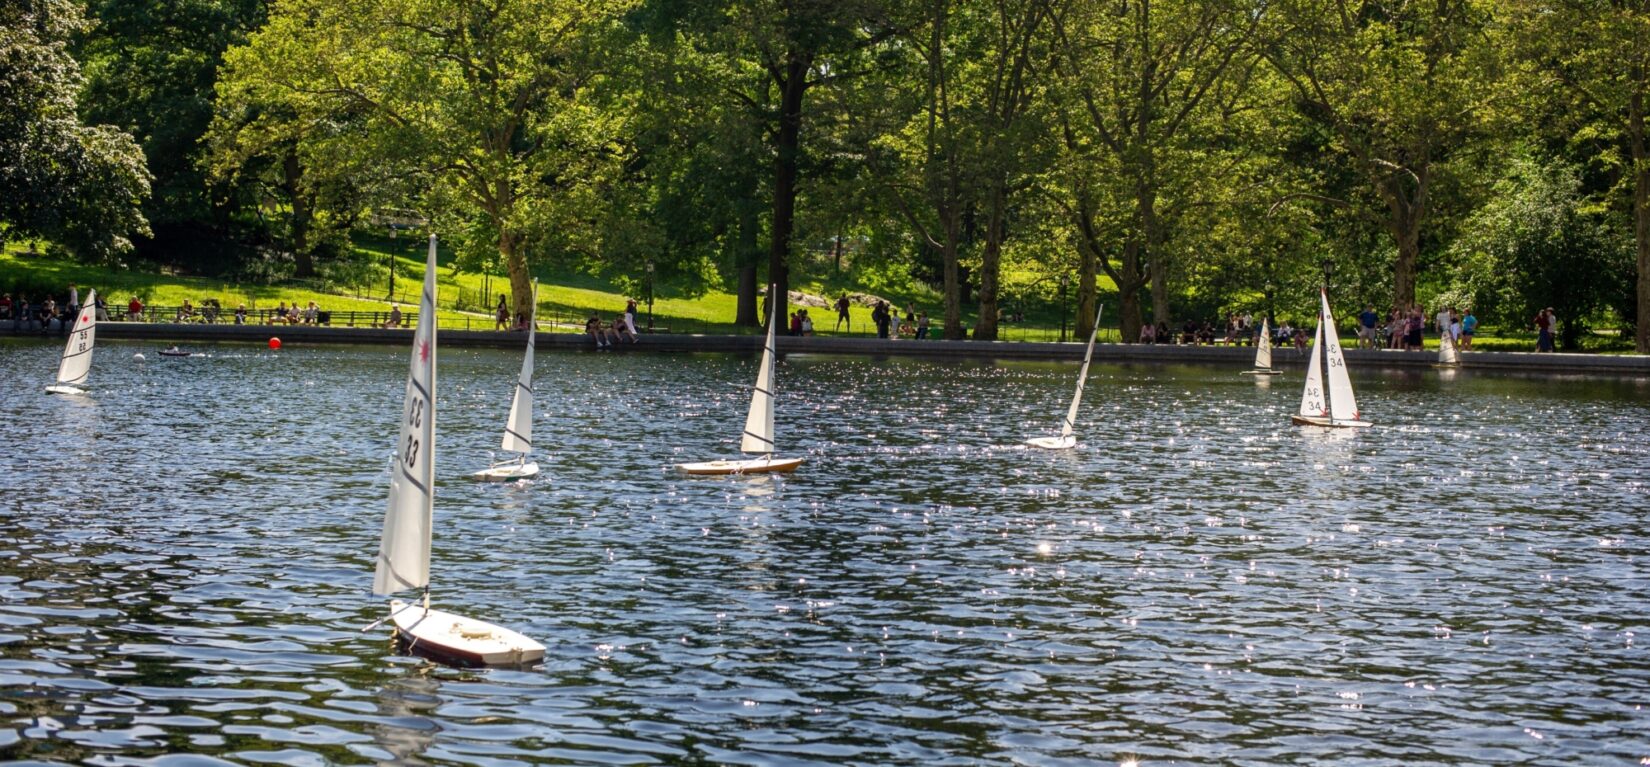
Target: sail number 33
[{"x": 415, "y": 419}]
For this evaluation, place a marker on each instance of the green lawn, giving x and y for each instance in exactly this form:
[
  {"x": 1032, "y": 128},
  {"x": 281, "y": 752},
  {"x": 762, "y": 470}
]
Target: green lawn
[
  {"x": 564, "y": 299},
  {"x": 567, "y": 299}
]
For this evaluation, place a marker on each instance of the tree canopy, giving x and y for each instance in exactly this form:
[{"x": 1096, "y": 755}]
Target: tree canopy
[
  {"x": 1182, "y": 158},
  {"x": 71, "y": 183}
]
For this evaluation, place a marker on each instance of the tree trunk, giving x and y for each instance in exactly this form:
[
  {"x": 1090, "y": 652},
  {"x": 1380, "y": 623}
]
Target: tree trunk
[
  {"x": 1407, "y": 232},
  {"x": 521, "y": 281},
  {"x": 747, "y": 254},
  {"x": 953, "y": 329},
  {"x": 1404, "y": 222},
  {"x": 292, "y": 175},
  {"x": 1641, "y": 218},
  {"x": 1130, "y": 279},
  {"x": 1160, "y": 285},
  {"x": 985, "y": 329},
  {"x": 1087, "y": 296},
  {"x": 1129, "y": 315},
  {"x": 788, "y": 144}
]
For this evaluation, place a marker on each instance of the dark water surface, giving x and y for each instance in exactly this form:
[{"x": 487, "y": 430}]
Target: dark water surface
[{"x": 185, "y": 554}]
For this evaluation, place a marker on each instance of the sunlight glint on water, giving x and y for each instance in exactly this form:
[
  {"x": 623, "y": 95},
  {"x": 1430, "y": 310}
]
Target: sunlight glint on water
[{"x": 186, "y": 565}]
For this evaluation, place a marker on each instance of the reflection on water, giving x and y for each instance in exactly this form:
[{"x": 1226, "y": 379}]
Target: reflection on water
[{"x": 185, "y": 564}]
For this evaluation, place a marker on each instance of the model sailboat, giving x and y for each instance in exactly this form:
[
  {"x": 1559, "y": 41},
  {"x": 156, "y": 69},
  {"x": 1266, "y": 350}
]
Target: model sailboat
[
  {"x": 1333, "y": 405},
  {"x": 76, "y": 364},
  {"x": 1067, "y": 439},
  {"x": 1448, "y": 355},
  {"x": 518, "y": 431},
  {"x": 758, "y": 437},
  {"x": 404, "y": 551},
  {"x": 1263, "y": 352}
]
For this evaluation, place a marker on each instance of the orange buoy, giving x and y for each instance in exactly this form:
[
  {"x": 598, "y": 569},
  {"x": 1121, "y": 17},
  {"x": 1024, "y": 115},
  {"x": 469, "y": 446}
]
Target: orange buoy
[{"x": 274, "y": 343}]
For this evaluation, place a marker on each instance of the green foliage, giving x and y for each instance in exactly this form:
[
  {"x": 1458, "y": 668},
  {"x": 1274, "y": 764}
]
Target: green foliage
[
  {"x": 78, "y": 185},
  {"x": 1539, "y": 243},
  {"x": 1200, "y": 156},
  {"x": 150, "y": 66}
]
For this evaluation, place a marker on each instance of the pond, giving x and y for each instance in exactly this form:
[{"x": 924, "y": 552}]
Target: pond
[{"x": 186, "y": 553}]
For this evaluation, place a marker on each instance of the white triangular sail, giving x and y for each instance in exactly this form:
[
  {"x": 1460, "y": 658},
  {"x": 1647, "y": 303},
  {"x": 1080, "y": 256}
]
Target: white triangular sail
[
  {"x": 758, "y": 436},
  {"x": 404, "y": 551},
  {"x": 1312, "y": 396},
  {"x": 518, "y": 431},
  {"x": 1082, "y": 377},
  {"x": 1447, "y": 353},
  {"x": 77, "y": 353},
  {"x": 1342, "y": 405},
  {"x": 1263, "y": 346}
]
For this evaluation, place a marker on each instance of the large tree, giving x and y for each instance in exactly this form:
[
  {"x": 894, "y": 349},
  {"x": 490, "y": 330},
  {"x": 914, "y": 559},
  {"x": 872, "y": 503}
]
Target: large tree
[
  {"x": 150, "y": 69},
  {"x": 775, "y": 53},
  {"x": 1402, "y": 89},
  {"x": 1135, "y": 78},
  {"x": 1598, "y": 52},
  {"x": 79, "y": 185},
  {"x": 488, "y": 100},
  {"x": 966, "y": 149}
]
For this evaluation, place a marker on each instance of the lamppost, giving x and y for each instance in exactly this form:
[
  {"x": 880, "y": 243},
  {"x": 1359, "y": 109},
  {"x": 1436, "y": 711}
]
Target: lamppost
[
  {"x": 650, "y": 296},
  {"x": 1064, "y": 280}
]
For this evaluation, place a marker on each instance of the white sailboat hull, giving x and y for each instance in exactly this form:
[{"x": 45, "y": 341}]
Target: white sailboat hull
[
  {"x": 1258, "y": 372},
  {"x": 63, "y": 389},
  {"x": 1325, "y": 421},
  {"x": 508, "y": 472},
  {"x": 1066, "y": 442},
  {"x": 748, "y": 466},
  {"x": 460, "y": 641}
]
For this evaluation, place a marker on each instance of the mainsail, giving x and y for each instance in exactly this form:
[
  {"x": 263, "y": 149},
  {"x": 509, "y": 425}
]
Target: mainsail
[
  {"x": 759, "y": 423},
  {"x": 1342, "y": 405},
  {"x": 1263, "y": 346},
  {"x": 518, "y": 431},
  {"x": 1082, "y": 376},
  {"x": 1447, "y": 353},
  {"x": 404, "y": 551},
  {"x": 1312, "y": 402},
  {"x": 77, "y": 353}
]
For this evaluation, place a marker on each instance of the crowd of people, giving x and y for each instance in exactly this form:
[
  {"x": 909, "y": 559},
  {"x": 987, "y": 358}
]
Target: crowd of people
[
  {"x": 608, "y": 335},
  {"x": 1400, "y": 329},
  {"x": 890, "y": 324},
  {"x": 45, "y": 314},
  {"x": 1237, "y": 329}
]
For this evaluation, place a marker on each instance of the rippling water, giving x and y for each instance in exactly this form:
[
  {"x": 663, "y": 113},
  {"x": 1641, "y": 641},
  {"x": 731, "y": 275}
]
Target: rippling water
[{"x": 185, "y": 554}]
